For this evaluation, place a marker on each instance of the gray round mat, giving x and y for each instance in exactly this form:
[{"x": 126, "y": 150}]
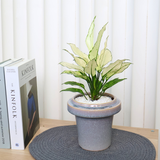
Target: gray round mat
[{"x": 60, "y": 143}]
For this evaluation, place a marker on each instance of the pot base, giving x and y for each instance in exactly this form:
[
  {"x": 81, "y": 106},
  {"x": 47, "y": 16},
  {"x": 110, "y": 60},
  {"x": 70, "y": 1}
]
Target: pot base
[
  {"x": 94, "y": 134},
  {"x": 94, "y": 151}
]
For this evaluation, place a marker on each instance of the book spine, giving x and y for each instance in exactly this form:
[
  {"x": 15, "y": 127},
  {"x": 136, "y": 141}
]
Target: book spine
[
  {"x": 4, "y": 124},
  {"x": 14, "y": 107}
]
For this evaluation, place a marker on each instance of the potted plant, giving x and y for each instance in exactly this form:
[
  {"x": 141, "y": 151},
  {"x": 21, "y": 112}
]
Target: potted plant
[{"x": 94, "y": 110}]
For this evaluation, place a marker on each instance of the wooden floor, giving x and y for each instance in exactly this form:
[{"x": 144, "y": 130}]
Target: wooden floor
[{"x": 9, "y": 154}]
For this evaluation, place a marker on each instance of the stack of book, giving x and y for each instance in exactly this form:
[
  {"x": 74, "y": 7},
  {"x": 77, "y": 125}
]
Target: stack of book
[{"x": 19, "y": 115}]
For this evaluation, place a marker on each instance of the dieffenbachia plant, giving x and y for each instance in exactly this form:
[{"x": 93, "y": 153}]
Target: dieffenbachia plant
[{"x": 92, "y": 67}]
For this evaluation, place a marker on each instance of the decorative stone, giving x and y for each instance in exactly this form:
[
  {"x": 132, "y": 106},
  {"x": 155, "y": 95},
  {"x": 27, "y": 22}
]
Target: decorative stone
[{"x": 103, "y": 99}]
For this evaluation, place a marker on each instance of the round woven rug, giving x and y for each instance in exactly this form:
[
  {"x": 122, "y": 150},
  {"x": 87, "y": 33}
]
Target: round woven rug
[{"x": 60, "y": 143}]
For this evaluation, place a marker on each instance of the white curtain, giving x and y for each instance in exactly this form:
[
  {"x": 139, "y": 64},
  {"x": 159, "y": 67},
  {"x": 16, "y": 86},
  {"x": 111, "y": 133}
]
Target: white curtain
[{"x": 41, "y": 29}]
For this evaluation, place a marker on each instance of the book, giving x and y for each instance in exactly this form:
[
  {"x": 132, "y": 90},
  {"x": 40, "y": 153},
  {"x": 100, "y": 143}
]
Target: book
[
  {"x": 4, "y": 123},
  {"x": 21, "y": 87}
]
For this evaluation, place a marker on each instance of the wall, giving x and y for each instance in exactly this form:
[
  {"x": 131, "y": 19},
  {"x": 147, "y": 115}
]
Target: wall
[{"x": 41, "y": 29}]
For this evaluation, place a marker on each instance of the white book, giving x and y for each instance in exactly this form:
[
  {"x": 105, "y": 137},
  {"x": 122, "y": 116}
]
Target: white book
[
  {"x": 21, "y": 87},
  {"x": 4, "y": 123}
]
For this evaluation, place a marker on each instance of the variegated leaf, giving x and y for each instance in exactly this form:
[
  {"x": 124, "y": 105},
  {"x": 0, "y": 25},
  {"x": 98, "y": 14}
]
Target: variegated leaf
[
  {"x": 91, "y": 67},
  {"x": 124, "y": 66},
  {"x": 80, "y": 61},
  {"x": 76, "y": 74},
  {"x": 90, "y": 36},
  {"x": 71, "y": 66},
  {"x": 99, "y": 69},
  {"x": 94, "y": 52},
  {"x": 105, "y": 43},
  {"x": 69, "y": 52},
  {"x": 114, "y": 68},
  {"x": 78, "y": 52},
  {"x": 104, "y": 57},
  {"x": 111, "y": 66}
]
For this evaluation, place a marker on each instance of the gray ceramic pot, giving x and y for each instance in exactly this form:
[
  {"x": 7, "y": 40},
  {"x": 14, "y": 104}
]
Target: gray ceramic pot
[{"x": 94, "y": 124}]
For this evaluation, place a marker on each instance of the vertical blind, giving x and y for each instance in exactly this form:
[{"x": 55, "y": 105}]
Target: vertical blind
[{"x": 41, "y": 29}]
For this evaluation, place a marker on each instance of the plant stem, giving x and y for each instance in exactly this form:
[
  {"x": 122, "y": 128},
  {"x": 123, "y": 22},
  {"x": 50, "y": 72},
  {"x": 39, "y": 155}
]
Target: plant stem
[
  {"x": 101, "y": 94},
  {"x": 87, "y": 93},
  {"x": 85, "y": 97}
]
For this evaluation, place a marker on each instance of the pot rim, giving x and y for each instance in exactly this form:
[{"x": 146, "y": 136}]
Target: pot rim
[{"x": 82, "y": 109}]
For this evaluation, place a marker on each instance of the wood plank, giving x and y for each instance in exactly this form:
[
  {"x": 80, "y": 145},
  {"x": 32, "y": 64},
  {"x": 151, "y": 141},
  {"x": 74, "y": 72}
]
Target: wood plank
[{"x": 45, "y": 124}]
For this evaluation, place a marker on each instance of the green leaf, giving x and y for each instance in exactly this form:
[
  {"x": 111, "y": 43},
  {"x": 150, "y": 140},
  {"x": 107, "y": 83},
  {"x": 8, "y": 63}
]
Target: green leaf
[
  {"x": 75, "y": 84},
  {"x": 74, "y": 90},
  {"x": 94, "y": 52},
  {"x": 90, "y": 36},
  {"x": 91, "y": 67},
  {"x": 111, "y": 83},
  {"x": 104, "y": 57},
  {"x": 77, "y": 74},
  {"x": 71, "y": 66},
  {"x": 78, "y": 52}
]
